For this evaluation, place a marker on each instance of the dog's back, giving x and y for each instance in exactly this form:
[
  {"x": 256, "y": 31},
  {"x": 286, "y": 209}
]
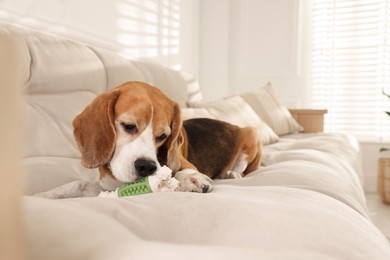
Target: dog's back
[{"x": 214, "y": 146}]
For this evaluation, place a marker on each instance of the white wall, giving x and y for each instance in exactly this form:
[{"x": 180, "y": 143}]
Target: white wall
[
  {"x": 86, "y": 20},
  {"x": 103, "y": 23},
  {"x": 247, "y": 43},
  {"x": 189, "y": 36},
  {"x": 214, "y": 34}
]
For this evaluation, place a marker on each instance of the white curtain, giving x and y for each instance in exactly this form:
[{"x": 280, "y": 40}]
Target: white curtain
[
  {"x": 351, "y": 65},
  {"x": 151, "y": 29},
  {"x": 134, "y": 28}
]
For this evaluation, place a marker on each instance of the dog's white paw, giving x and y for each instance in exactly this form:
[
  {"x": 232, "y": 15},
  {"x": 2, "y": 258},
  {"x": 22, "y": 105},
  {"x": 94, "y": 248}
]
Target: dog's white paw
[{"x": 193, "y": 181}]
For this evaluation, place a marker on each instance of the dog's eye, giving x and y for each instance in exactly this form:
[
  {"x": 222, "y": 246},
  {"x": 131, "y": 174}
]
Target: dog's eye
[
  {"x": 130, "y": 128},
  {"x": 161, "y": 137}
]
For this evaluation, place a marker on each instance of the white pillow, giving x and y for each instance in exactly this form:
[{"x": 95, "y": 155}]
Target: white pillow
[
  {"x": 194, "y": 94},
  {"x": 265, "y": 102},
  {"x": 188, "y": 113},
  {"x": 236, "y": 111}
]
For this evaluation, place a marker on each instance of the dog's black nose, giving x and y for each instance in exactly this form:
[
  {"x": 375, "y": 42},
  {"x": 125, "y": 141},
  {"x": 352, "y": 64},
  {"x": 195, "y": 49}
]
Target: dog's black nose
[{"x": 145, "y": 167}]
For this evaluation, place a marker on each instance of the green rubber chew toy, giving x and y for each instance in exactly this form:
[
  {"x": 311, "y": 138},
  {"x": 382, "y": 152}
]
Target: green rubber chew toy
[
  {"x": 141, "y": 186},
  {"x": 159, "y": 182}
]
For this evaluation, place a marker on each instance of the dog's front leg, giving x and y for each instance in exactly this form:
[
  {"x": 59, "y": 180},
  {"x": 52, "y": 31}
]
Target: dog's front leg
[
  {"x": 73, "y": 189},
  {"x": 193, "y": 181}
]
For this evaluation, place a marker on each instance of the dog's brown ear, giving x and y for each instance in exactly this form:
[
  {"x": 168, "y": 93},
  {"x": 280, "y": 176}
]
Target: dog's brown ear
[
  {"x": 94, "y": 130},
  {"x": 169, "y": 153}
]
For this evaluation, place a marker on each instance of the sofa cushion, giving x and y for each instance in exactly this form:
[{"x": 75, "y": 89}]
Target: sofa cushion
[
  {"x": 266, "y": 103},
  {"x": 119, "y": 70},
  {"x": 59, "y": 66}
]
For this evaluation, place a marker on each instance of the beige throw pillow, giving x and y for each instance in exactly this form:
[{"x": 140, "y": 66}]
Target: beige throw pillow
[
  {"x": 265, "y": 102},
  {"x": 236, "y": 111}
]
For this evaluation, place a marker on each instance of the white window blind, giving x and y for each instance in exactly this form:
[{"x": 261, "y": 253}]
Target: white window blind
[
  {"x": 150, "y": 29},
  {"x": 134, "y": 28},
  {"x": 351, "y": 65}
]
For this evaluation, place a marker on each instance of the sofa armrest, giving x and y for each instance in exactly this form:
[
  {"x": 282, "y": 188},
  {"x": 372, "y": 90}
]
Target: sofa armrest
[{"x": 312, "y": 120}]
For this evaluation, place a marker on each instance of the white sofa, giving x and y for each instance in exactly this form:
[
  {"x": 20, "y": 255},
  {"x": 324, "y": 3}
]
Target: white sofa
[{"x": 305, "y": 202}]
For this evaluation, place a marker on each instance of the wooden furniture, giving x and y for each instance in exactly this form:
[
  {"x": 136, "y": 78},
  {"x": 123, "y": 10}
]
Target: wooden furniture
[
  {"x": 384, "y": 179},
  {"x": 312, "y": 120},
  {"x": 11, "y": 228}
]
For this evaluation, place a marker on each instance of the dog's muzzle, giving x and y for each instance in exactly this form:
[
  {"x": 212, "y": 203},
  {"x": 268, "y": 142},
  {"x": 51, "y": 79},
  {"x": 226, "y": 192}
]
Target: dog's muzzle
[{"x": 144, "y": 167}]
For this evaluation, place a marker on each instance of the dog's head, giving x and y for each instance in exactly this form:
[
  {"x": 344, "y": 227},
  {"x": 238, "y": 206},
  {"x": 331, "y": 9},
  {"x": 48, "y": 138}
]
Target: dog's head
[{"x": 132, "y": 130}]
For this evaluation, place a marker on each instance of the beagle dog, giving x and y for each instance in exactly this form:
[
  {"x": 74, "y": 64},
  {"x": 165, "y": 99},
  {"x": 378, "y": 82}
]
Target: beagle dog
[{"x": 132, "y": 130}]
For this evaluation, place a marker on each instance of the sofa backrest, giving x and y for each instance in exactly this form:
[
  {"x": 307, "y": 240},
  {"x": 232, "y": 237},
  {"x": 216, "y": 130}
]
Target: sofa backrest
[{"x": 60, "y": 78}]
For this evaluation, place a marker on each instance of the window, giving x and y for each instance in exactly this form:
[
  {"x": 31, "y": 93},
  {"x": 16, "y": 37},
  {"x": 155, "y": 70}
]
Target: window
[
  {"x": 351, "y": 65},
  {"x": 150, "y": 29},
  {"x": 134, "y": 28}
]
